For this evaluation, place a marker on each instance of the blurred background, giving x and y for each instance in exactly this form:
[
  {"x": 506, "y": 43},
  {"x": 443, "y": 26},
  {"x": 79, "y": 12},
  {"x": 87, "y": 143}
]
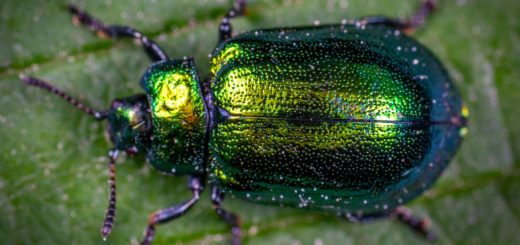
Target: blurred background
[{"x": 53, "y": 174}]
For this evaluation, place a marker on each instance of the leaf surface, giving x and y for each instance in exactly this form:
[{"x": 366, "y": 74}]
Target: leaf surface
[{"x": 53, "y": 160}]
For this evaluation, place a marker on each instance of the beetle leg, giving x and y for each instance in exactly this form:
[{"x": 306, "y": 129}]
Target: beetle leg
[
  {"x": 154, "y": 52},
  {"x": 164, "y": 215},
  {"x": 238, "y": 9},
  {"x": 406, "y": 25},
  {"x": 232, "y": 219},
  {"x": 420, "y": 225}
]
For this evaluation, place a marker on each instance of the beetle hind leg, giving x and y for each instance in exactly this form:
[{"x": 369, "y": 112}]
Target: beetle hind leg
[
  {"x": 80, "y": 17},
  {"x": 164, "y": 215},
  {"x": 232, "y": 219},
  {"x": 419, "y": 225},
  {"x": 408, "y": 25},
  {"x": 225, "y": 29}
]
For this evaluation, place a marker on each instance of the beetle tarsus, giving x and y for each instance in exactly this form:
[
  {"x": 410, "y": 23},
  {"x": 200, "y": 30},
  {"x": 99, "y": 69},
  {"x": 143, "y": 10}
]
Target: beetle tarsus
[
  {"x": 419, "y": 18},
  {"x": 168, "y": 214},
  {"x": 148, "y": 235},
  {"x": 225, "y": 29},
  {"x": 420, "y": 225},
  {"x": 408, "y": 25},
  {"x": 80, "y": 17},
  {"x": 232, "y": 219},
  {"x": 154, "y": 52}
]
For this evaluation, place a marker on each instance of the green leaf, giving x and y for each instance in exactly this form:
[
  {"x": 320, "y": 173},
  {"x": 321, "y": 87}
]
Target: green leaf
[{"x": 53, "y": 170}]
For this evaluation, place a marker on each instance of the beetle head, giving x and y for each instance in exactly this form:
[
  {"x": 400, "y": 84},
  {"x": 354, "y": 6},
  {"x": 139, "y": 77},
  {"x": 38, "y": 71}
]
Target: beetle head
[{"x": 129, "y": 123}]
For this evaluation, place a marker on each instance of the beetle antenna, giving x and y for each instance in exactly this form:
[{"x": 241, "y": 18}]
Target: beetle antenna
[
  {"x": 111, "y": 209},
  {"x": 99, "y": 115}
]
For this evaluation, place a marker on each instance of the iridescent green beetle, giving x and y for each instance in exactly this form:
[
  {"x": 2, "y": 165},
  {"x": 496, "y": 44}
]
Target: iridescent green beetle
[{"x": 355, "y": 118}]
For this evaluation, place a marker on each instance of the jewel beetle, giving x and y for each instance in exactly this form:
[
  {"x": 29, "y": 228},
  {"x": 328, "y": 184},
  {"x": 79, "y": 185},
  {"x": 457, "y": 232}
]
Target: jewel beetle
[{"x": 355, "y": 118}]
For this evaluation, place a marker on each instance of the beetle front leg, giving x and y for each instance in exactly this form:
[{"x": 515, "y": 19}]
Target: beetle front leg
[
  {"x": 154, "y": 52},
  {"x": 225, "y": 29},
  {"x": 406, "y": 25},
  {"x": 232, "y": 219},
  {"x": 173, "y": 212}
]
